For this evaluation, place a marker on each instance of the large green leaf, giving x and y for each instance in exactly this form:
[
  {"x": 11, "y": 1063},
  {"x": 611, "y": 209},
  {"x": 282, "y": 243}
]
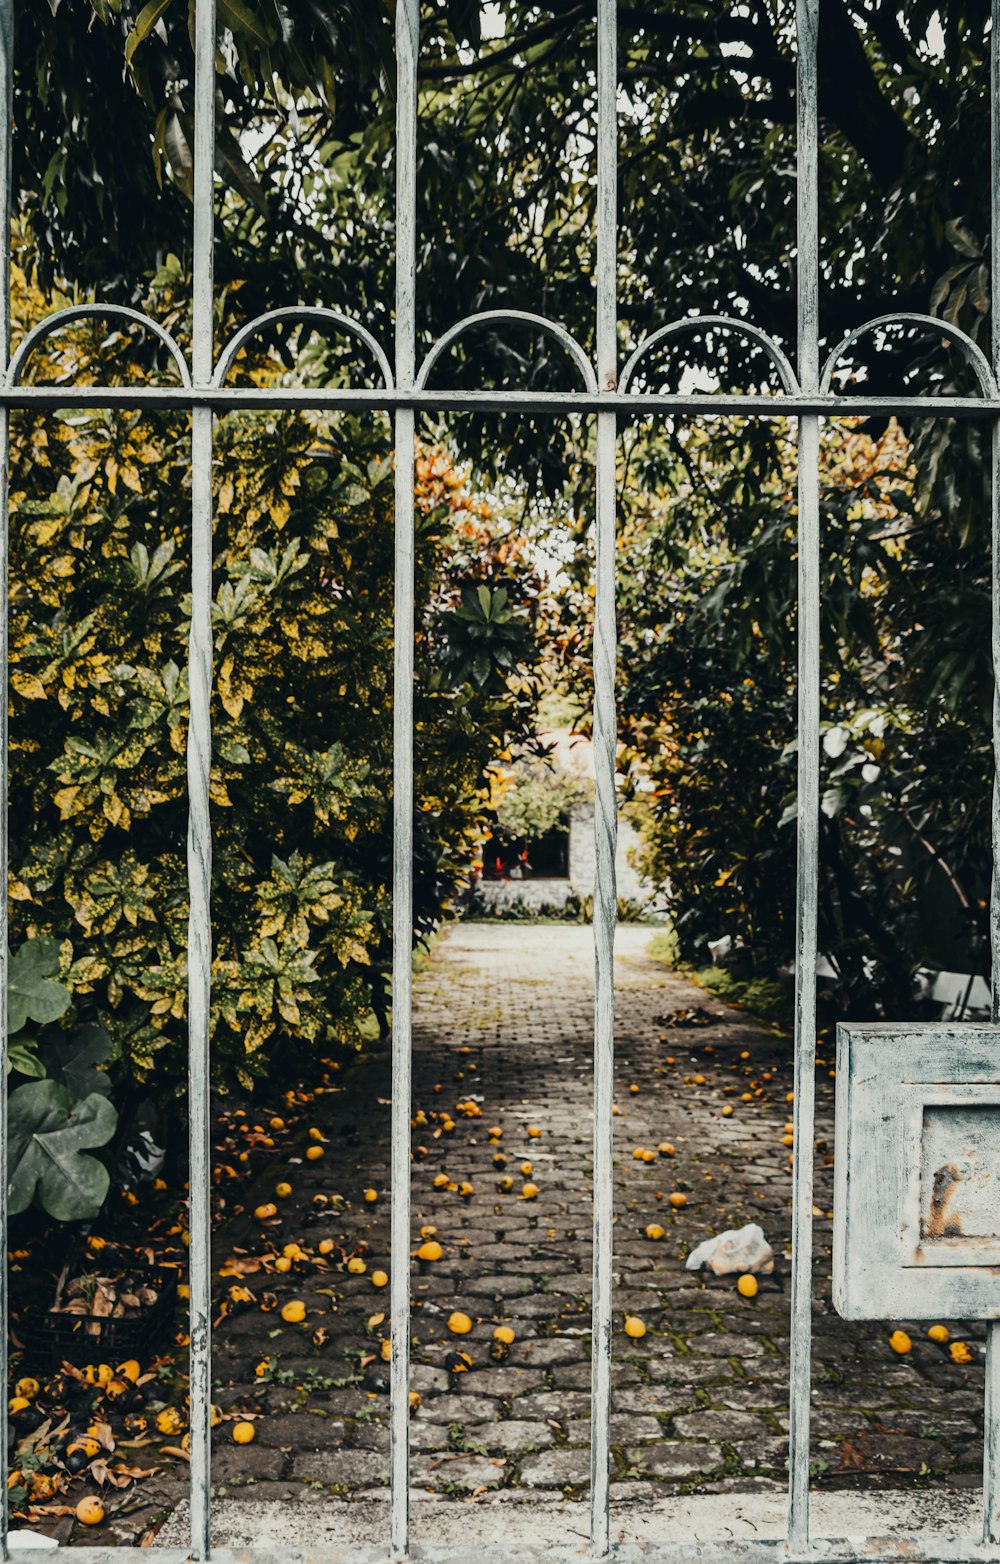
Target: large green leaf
[
  {"x": 49, "y": 1134},
  {"x": 72, "y": 1061},
  {"x": 35, "y": 992}
]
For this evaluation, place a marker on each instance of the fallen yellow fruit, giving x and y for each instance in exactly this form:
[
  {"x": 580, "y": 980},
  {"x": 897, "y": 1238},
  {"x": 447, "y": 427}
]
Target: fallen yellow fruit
[
  {"x": 503, "y": 1333},
  {"x": 371, "y": 1195},
  {"x": 357, "y": 1266},
  {"x": 727, "y": 1111},
  {"x": 314, "y": 1153},
  {"x": 900, "y": 1342},
  {"x": 747, "y": 1286},
  {"x": 960, "y": 1352},
  {"x": 655, "y": 1231},
  {"x": 534, "y": 1131},
  {"x": 283, "y": 1264},
  {"x": 666, "y": 1149},
  {"x": 265, "y": 1212},
  {"x": 294, "y": 1313},
  {"x": 634, "y": 1327},
  {"x": 379, "y": 1279},
  {"x": 939, "y": 1333},
  {"x": 459, "y": 1324},
  {"x": 678, "y": 1199},
  {"x": 243, "y": 1433},
  {"x": 529, "y": 1191},
  {"x": 90, "y": 1511},
  {"x": 431, "y": 1250}
]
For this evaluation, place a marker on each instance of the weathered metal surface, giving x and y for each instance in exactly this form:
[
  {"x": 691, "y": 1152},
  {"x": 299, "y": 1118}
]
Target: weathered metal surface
[
  {"x": 320, "y": 318},
  {"x": 917, "y": 1223},
  {"x": 807, "y": 779},
  {"x": 605, "y": 768},
  {"x": 631, "y": 404},
  {"x": 407, "y": 48},
  {"x": 199, "y": 762}
]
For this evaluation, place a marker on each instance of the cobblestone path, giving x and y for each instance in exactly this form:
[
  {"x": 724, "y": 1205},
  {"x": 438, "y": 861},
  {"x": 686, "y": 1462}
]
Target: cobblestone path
[{"x": 503, "y": 1017}]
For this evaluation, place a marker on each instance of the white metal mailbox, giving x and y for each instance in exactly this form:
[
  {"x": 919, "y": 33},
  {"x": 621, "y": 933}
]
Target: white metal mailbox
[{"x": 917, "y": 1202}]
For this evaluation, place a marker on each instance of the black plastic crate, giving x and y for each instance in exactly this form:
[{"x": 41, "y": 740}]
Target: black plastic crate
[{"x": 52, "y": 1337}]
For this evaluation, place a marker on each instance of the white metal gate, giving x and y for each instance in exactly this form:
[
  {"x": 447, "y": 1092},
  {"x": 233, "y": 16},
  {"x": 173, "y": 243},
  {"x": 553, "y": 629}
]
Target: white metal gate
[{"x": 604, "y": 390}]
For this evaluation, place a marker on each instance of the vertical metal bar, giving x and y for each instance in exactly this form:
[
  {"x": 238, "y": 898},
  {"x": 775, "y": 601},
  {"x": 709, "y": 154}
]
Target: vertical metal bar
[
  {"x": 6, "y": 144},
  {"x": 199, "y": 761},
  {"x": 991, "y": 1410},
  {"x": 407, "y": 48},
  {"x": 605, "y": 750},
  {"x": 807, "y": 818}
]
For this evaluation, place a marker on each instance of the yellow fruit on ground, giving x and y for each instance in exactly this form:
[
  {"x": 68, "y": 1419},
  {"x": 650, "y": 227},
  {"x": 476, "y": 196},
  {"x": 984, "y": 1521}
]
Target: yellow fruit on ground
[
  {"x": 276, "y": 1124},
  {"x": 459, "y": 1324},
  {"x": 90, "y": 1511},
  {"x": 326, "y": 1246},
  {"x": 379, "y": 1279},
  {"x": 495, "y": 1132},
  {"x": 416, "y": 1400},
  {"x": 244, "y": 1433},
  {"x": 314, "y": 1153},
  {"x": 529, "y": 1191},
  {"x": 371, "y": 1195},
  {"x": 699, "y": 1080},
  {"x": 441, "y": 1180},
  {"x": 939, "y": 1333},
  {"x": 534, "y": 1131},
  {"x": 283, "y": 1264},
  {"x": 635, "y": 1327},
  {"x": 504, "y": 1334},
  {"x": 960, "y": 1352},
  {"x": 727, "y": 1111},
  {"x": 527, "y": 1168},
  {"x": 633, "y": 1089},
  {"x": 265, "y": 1212},
  {"x": 282, "y": 1191},
  {"x": 655, "y": 1231},
  {"x": 262, "y": 1367},
  {"x": 169, "y": 1421},
  {"x": 356, "y": 1266},
  {"x": 900, "y": 1342},
  {"x": 666, "y": 1149},
  {"x": 386, "y": 1350},
  {"x": 17, "y": 1404},
  {"x": 747, "y": 1286},
  {"x": 214, "y": 1416},
  {"x": 292, "y": 1251},
  {"x": 431, "y": 1250},
  {"x": 638, "y": 1153},
  {"x": 294, "y": 1313},
  {"x": 28, "y": 1388},
  {"x": 130, "y": 1369},
  {"x": 678, "y": 1199}
]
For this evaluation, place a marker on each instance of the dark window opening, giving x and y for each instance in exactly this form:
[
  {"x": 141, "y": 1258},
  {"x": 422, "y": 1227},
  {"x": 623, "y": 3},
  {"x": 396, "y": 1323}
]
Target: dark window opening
[{"x": 544, "y": 857}]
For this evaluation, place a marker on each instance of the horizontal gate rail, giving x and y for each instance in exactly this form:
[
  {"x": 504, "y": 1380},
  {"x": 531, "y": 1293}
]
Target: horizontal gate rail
[{"x": 806, "y": 393}]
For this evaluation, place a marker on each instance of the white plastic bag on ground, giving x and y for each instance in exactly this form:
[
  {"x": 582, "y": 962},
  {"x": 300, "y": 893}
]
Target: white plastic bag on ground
[{"x": 741, "y": 1249}]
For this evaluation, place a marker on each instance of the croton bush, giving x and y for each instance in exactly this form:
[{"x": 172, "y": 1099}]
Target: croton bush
[{"x": 302, "y": 712}]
